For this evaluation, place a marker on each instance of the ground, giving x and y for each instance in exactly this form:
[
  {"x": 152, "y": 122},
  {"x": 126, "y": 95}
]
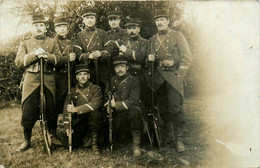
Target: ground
[{"x": 199, "y": 147}]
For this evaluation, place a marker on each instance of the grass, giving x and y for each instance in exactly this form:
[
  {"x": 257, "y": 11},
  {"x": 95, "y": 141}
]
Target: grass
[{"x": 195, "y": 138}]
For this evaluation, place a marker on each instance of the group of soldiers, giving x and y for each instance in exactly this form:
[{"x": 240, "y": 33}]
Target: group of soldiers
[{"x": 113, "y": 62}]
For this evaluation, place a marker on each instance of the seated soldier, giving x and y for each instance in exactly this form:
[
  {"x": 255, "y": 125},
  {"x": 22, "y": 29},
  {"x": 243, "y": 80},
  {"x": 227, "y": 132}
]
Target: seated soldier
[
  {"x": 86, "y": 99},
  {"x": 125, "y": 98}
]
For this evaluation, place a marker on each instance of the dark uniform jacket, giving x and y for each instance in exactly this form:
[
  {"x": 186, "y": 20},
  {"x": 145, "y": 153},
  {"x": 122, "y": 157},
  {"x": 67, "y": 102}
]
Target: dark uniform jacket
[
  {"x": 126, "y": 92},
  {"x": 26, "y": 59},
  {"x": 170, "y": 45},
  {"x": 61, "y": 72},
  {"x": 117, "y": 34},
  {"x": 136, "y": 53},
  {"x": 85, "y": 99},
  {"x": 91, "y": 40}
]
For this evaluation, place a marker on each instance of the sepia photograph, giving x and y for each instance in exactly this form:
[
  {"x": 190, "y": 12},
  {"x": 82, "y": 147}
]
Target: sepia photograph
[{"x": 141, "y": 83}]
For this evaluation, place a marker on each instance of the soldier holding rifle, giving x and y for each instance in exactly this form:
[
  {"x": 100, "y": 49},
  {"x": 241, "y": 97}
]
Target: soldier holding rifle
[
  {"x": 86, "y": 98},
  {"x": 170, "y": 52},
  {"x": 92, "y": 41},
  {"x": 61, "y": 72},
  {"x": 125, "y": 91},
  {"x": 30, "y": 51}
]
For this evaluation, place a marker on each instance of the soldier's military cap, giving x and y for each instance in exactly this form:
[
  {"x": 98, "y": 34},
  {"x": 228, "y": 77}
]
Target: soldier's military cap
[
  {"x": 161, "y": 13},
  {"x": 113, "y": 14},
  {"x": 121, "y": 59},
  {"x": 89, "y": 11},
  {"x": 132, "y": 22},
  {"x": 82, "y": 68},
  {"x": 60, "y": 20},
  {"x": 38, "y": 19}
]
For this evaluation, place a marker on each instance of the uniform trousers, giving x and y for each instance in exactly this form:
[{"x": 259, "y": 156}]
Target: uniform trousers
[{"x": 31, "y": 109}]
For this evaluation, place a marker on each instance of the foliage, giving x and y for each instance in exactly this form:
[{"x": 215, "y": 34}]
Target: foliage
[{"x": 10, "y": 76}]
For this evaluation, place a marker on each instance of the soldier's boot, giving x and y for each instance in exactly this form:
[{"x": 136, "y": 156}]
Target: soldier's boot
[
  {"x": 136, "y": 143},
  {"x": 169, "y": 137},
  {"x": 180, "y": 147},
  {"x": 54, "y": 140},
  {"x": 27, "y": 140},
  {"x": 94, "y": 143}
]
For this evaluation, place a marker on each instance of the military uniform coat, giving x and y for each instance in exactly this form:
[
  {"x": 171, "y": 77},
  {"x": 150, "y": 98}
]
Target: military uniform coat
[
  {"x": 91, "y": 40},
  {"x": 170, "y": 45},
  {"x": 136, "y": 53},
  {"x": 85, "y": 99},
  {"x": 117, "y": 34},
  {"x": 61, "y": 72},
  {"x": 126, "y": 92},
  {"x": 26, "y": 59}
]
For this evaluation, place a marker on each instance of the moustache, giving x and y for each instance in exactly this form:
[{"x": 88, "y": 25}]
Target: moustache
[
  {"x": 132, "y": 33},
  {"x": 119, "y": 71},
  {"x": 159, "y": 25}
]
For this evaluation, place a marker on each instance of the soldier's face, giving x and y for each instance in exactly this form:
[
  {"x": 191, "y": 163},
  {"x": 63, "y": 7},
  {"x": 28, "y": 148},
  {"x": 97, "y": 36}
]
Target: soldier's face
[
  {"x": 133, "y": 31},
  {"x": 82, "y": 77},
  {"x": 114, "y": 22},
  {"x": 38, "y": 29},
  {"x": 89, "y": 20},
  {"x": 61, "y": 30},
  {"x": 121, "y": 69},
  {"x": 162, "y": 23}
]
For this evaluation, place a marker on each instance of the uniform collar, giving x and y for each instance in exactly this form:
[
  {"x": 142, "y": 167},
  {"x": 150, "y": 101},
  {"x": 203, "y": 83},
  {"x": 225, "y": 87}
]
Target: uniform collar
[
  {"x": 122, "y": 77},
  {"x": 135, "y": 38},
  {"x": 84, "y": 86},
  {"x": 40, "y": 38},
  {"x": 91, "y": 29},
  {"x": 161, "y": 32},
  {"x": 60, "y": 37},
  {"x": 116, "y": 30}
]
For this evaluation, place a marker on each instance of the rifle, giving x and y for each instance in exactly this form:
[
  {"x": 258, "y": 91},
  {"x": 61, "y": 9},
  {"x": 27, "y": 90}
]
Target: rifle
[
  {"x": 109, "y": 109},
  {"x": 155, "y": 110},
  {"x": 69, "y": 129},
  {"x": 43, "y": 120}
]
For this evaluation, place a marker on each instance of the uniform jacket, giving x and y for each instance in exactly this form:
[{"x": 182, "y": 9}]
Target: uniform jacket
[
  {"x": 91, "y": 100},
  {"x": 170, "y": 45},
  {"x": 91, "y": 40},
  {"x": 25, "y": 58},
  {"x": 126, "y": 92},
  {"x": 118, "y": 34},
  {"x": 61, "y": 72},
  {"x": 136, "y": 53}
]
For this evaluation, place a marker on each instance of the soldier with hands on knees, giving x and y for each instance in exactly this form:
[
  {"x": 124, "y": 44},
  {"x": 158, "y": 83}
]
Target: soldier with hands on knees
[
  {"x": 170, "y": 52},
  {"x": 86, "y": 100},
  {"x": 125, "y": 103},
  {"x": 30, "y": 51}
]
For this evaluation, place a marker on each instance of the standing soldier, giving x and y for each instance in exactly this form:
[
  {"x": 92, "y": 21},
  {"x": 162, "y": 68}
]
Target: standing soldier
[
  {"x": 134, "y": 47},
  {"x": 125, "y": 103},
  {"x": 171, "y": 54},
  {"x": 86, "y": 99},
  {"x": 92, "y": 41},
  {"x": 116, "y": 32},
  {"x": 30, "y": 51},
  {"x": 61, "y": 72}
]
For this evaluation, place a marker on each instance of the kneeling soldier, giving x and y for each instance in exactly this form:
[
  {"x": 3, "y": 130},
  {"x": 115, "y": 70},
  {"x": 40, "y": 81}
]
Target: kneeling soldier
[
  {"x": 125, "y": 98},
  {"x": 86, "y": 99}
]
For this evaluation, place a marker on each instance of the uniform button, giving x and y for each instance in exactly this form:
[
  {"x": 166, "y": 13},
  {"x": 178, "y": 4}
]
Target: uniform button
[
  {"x": 87, "y": 95},
  {"x": 156, "y": 49},
  {"x": 167, "y": 40},
  {"x": 47, "y": 47},
  {"x": 86, "y": 39},
  {"x": 167, "y": 47},
  {"x": 97, "y": 43},
  {"x": 137, "y": 42},
  {"x": 62, "y": 47},
  {"x": 156, "y": 43}
]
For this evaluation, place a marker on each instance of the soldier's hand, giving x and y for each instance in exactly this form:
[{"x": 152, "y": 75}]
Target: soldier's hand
[
  {"x": 113, "y": 103},
  {"x": 151, "y": 57},
  {"x": 72, "y": 56},
  {"x": 44, "y": 56},
  {"x": 92, "y": 56},
  {"x": 71, "y": 108},
  {"x": 168, "y": 62},
  {"x": 97, "y": 54},
  {"x": 123, "y": 48},
  {"x": 39, "y": 51}
]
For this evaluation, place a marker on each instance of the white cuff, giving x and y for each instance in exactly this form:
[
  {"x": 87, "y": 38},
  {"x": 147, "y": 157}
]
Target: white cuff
[
  {"x": 125, "y": 105},
  {"x": 89, "y": 107},
  {"x": 134, "y": 55}
]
